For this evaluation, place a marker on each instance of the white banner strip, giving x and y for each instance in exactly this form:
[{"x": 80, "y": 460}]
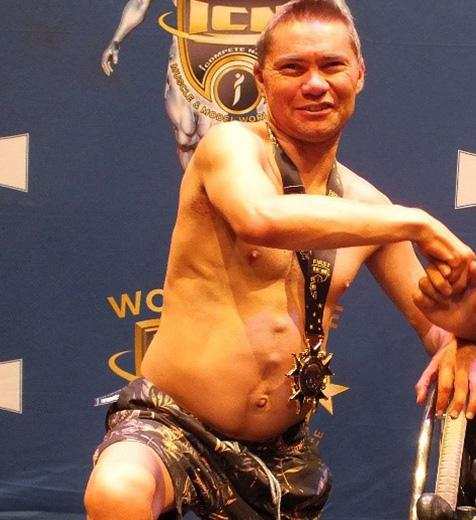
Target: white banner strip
[{"x": 11, "y": 385}]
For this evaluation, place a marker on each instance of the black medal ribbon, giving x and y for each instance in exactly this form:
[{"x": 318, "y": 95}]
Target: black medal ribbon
[{"x": 311, "y": 367}]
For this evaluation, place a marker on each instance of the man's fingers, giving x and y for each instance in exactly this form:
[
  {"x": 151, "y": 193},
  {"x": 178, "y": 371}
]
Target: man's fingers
[
  {"x": 471, "y": 408},
  {"x": 461, "y": 283},
  {"x": 428, "y": 289},
  {"x": 423, "y": 302},
  {"x": 457, "y": 269},
  {"x": 445, "y": 387},
  {"x": 429, "y": 375},
  {"x": 460, "y": 392},
  {"x": 109, "y": 58},
  {"x": 444, "y": 269},
  {"x": 460, "y": 265},
  {"x": 438, "y": 280},
  {"x": 106, "y": 67}
]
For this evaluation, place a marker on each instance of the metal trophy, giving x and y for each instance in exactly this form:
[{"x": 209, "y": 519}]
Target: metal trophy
[{"x": 454, "y": 497}]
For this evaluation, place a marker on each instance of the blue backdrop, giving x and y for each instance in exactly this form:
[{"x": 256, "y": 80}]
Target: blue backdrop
[{"x": 97, "y": 217}]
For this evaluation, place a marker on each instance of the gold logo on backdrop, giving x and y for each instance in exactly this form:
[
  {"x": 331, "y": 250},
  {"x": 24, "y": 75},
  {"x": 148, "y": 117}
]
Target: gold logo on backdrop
[
  {"x": 217, "y": 54},
  {"x": 144, "y": 331},
  {"x": 128, "y": 305}
]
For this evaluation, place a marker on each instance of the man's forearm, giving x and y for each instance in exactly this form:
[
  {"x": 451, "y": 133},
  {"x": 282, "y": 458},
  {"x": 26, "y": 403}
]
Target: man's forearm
[
  {"x": 318, "y": 222},
  {"x": 132, "y": 15}
]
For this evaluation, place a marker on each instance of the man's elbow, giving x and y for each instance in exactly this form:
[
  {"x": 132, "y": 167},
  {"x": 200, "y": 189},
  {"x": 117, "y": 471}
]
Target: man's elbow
[{"x": 259, "y": 227}]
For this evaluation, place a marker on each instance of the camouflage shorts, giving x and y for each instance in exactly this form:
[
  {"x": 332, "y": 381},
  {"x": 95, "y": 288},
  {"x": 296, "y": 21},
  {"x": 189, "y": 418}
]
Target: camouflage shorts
[{"x": 217, "y": 477}]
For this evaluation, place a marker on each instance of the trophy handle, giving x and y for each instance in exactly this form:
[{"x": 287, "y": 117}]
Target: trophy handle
[
  {"x": 449, "y": 464},
  {"x": 442, "y": 504},
  {"x": 420, "y": 472}
]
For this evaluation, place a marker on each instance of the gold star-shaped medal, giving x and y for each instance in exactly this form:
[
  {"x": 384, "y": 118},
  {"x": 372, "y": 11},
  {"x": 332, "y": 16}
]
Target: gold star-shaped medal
[
  {"x": 330, "y": 391},
  {"x": 311, "y": 377}
]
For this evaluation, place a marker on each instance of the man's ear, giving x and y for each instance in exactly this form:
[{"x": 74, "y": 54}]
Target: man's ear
[
  {"x": 361, "y": 79},
  {"x": 258, "y": 72},
  {"x": 472, "y": 274}
]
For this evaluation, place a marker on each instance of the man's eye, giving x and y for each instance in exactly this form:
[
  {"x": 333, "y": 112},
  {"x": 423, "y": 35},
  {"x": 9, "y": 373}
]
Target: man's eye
[
  {"x": 291, "y": 67},
  {"x": 334, "y": 64}
]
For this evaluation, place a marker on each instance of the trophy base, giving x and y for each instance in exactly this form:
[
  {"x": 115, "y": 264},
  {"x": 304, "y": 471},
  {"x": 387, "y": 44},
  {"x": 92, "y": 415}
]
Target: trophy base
[{"x": 433, "y": 507}]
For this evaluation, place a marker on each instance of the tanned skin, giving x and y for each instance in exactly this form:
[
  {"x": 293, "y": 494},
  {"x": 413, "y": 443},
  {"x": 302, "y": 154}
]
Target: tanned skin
[{"x": 233, "y": 302}]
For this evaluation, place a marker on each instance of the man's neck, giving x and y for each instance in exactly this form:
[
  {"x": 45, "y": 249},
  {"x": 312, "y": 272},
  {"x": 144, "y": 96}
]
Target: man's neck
[{"x": 314, "y": 160}]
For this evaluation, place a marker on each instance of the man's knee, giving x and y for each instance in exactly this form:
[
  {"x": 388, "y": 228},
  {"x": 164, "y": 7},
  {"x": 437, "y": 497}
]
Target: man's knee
[{"x": 121, "y": 491}]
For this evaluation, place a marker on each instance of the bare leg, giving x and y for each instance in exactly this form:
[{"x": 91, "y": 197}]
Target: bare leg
[{"x": 129, "y": 482}]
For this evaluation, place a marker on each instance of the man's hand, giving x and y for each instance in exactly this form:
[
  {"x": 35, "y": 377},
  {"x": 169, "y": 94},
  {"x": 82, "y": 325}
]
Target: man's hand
[
  {"x": 109, "y": 58},
  {"x": 447, "y": 252},
  {"x": 455, "y": 367},
  {"x": 443, "y": 306}
]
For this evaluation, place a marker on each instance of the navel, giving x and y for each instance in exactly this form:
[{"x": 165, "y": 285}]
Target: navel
[{"x": 262, "y": 402}]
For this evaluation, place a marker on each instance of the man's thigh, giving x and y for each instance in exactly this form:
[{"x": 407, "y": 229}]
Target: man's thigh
[{"x": 142, "y": 458}]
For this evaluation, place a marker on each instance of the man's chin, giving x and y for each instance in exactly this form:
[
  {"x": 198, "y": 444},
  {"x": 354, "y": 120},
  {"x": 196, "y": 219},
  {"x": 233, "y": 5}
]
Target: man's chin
[
  {"x": 308, "y": 131},
  {"x": 318, "y": 134}
]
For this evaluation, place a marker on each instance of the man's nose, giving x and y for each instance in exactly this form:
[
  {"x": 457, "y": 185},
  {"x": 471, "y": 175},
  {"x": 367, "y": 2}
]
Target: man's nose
[{"x": 315, "y": 84}]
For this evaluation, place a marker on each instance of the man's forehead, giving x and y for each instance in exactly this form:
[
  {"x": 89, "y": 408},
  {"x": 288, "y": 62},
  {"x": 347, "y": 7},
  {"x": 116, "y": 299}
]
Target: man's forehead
[{"x": 323, "y": 36}]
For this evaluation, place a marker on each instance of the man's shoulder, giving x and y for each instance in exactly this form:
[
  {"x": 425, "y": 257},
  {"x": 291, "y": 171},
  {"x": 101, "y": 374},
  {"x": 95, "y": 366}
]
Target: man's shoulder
[
  {"x": 228, "y": 147},
  {"x": 229, "y": 143},
  {"x": 357, "y": 188},
  {"x": 232, "y": 134}
]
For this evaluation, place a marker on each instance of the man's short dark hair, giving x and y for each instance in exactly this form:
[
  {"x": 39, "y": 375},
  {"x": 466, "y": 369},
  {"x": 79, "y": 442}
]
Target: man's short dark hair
[{"x": 308, "y": 10}]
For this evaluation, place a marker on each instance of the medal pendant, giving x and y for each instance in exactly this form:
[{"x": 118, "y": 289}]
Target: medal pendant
[{"x": 310, "y": 375}]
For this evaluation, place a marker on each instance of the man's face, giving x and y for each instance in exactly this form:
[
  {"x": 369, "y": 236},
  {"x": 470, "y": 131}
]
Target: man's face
[{"x": 311, "y": 77}]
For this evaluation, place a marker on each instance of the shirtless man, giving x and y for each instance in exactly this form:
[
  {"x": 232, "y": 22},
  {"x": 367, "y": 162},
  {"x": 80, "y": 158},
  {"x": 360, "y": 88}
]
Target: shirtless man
[{"x": 212, "y": 427}]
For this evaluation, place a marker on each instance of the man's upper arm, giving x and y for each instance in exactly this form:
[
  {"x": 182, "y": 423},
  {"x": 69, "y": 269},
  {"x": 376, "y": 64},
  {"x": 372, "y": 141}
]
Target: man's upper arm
[
  {"x": 396, "y": 268},
  {"x": 230, "y": 162}
]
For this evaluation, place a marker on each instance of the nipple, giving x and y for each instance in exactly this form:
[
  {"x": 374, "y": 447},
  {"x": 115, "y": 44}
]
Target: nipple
[{"x": 254, "y": 255}]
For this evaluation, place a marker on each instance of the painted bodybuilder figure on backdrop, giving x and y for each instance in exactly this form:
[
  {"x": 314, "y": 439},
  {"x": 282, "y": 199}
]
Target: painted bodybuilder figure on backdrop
[{"x": 189, "y": 125}]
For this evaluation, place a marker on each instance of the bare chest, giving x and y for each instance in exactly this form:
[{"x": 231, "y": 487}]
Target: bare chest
[{"x": 267, "y": 265}]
